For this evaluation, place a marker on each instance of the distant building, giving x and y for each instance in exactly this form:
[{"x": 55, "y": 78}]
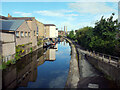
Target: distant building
[
  {"x": 60, "y": 33},
  {"x": 50, "y": 30},
  {"x": 68, "y": 32},
  {"x": 13, "y": 33},
  {"x": 56, "y": 33},
  {"x": 3, "y": 18}
]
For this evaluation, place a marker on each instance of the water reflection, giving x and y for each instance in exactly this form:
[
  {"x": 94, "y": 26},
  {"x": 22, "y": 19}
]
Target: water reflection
[{"x": 33, "y": 72}]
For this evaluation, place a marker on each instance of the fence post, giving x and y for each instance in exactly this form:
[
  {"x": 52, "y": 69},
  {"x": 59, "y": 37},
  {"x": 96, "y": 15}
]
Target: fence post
[
  {"x": 97, "y": 55},
  {"x": 90, "y": 53},
  {"x": 93, "y": 53},
  {"x": 109, "y": 59},
  {"x": 118, "y": 63}
]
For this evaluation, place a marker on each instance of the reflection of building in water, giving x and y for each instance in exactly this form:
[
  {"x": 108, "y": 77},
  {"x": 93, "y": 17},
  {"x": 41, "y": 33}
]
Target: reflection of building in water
[
  {"x": 56, "y": 47},
  {"x": 50, "y": 55},
  {"x": 33, "y": 68},
  {"x": 40, "y": 57},
  {"x": 9, "y": 78},
  {"x": 24, "y": 71},
  {"x": 64, "y": 43},
  {"x": 41, "y": 60}
]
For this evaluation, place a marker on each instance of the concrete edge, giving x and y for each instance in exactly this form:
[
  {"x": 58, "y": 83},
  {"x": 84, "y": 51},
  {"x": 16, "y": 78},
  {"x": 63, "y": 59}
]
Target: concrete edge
[{"x": 73, "y": 75}]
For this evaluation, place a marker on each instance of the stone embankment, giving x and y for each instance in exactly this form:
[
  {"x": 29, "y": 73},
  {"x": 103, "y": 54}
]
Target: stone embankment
[{"x": 73, "y": 76}]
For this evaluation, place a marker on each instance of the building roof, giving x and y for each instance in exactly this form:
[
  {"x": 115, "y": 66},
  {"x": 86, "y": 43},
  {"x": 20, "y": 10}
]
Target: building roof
[
  {"x": 11, "y": 25},
  {"x": 49, "y": 25},
  {"x": 3, "y": 17},
  {"x": 21, "y": 18},
  {"x": 17, "y": 18}
]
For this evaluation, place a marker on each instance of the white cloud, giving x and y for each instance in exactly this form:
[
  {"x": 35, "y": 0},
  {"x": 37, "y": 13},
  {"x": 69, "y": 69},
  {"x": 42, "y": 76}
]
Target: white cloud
[
  {"x": 59, "y": 13},
  {"x": 23, "y": 14},
  {"x": 91, "y": 7},
  {"x": 45, "y": 21}
]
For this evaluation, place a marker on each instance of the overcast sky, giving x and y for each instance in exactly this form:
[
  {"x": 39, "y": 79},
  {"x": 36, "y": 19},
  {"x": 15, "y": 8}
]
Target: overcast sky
[{"x": 74, "y": 15}]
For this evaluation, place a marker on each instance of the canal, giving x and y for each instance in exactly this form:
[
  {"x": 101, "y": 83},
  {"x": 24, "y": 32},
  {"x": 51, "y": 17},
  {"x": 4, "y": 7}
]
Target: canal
[{"x": 44, "y": 68}]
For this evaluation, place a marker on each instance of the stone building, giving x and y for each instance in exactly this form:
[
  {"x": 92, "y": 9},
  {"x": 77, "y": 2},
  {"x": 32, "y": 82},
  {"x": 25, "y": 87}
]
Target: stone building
[
  {"x": 13, "y": 33},
  {"x": 31, "y": 22}
]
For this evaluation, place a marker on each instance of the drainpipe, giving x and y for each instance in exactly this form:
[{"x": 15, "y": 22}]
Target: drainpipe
[{"x": 15, "y": 40}]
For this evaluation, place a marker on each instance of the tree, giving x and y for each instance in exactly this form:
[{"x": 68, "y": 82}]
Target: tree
[
  {"x": 71, "y": 35},
  {"x": 104, "y": 37}
]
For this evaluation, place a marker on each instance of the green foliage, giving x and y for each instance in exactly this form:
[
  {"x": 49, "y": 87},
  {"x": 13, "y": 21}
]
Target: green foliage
[
  {"x": 31, "y": 49},
  {"x": 59, "y": 36},
  {"x": 71, "y": 35},
  {"x": 39, "y": 42},
  {"x": 18, "y": 52},
  {"x": 3, "y": 66},
  {"x": 104, "y": 37}
]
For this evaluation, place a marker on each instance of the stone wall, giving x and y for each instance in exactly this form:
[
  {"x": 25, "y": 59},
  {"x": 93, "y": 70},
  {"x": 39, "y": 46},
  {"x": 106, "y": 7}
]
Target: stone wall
[
  {"x": 7, "y": 37},
  {"x": 73, "y": 75},
  {"x": 25, "y": 39},
  {"x": 41, "y": 32},
  {"x": 8, "y": 49},
  {"x": 33, "y": 33},
  {"x": 108, "y": 69},
  {"x": 7, "y": 46},
  {"x": 47, "y": 31},
  {"x": 0, "y": 44}
]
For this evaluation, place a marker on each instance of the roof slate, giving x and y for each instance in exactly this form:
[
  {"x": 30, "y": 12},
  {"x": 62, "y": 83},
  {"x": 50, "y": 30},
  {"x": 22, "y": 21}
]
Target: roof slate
[{"x": 11, "y": 25}]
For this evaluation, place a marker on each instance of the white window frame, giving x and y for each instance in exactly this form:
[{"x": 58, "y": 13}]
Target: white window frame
[
  {"x": 17, "y": 34},
  {"x": 22, "y": 34},
  {"x": 25, "y": 34}
]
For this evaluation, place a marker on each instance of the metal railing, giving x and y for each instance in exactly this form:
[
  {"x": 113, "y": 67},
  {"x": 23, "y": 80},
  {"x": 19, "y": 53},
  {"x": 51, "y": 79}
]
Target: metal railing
[{"x": 103, "y": 57}]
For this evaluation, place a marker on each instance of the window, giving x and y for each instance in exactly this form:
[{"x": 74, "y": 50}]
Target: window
[
  {"x": 25, "y": 34},
  {"x": 28, "y": 34},
  {"x": 17, "y": 34},
  {"x": 22, "y": 34}
]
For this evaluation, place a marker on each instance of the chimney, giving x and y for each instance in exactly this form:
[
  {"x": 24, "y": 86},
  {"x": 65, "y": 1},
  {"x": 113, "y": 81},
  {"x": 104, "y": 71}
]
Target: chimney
[
  {"x": 9, "y": 15},
  {"x": 64, "y": 29}
]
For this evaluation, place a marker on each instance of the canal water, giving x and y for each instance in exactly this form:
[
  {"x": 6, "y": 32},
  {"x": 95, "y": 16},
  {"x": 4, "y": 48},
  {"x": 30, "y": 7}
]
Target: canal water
[{"x": 44, "y": 68}]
